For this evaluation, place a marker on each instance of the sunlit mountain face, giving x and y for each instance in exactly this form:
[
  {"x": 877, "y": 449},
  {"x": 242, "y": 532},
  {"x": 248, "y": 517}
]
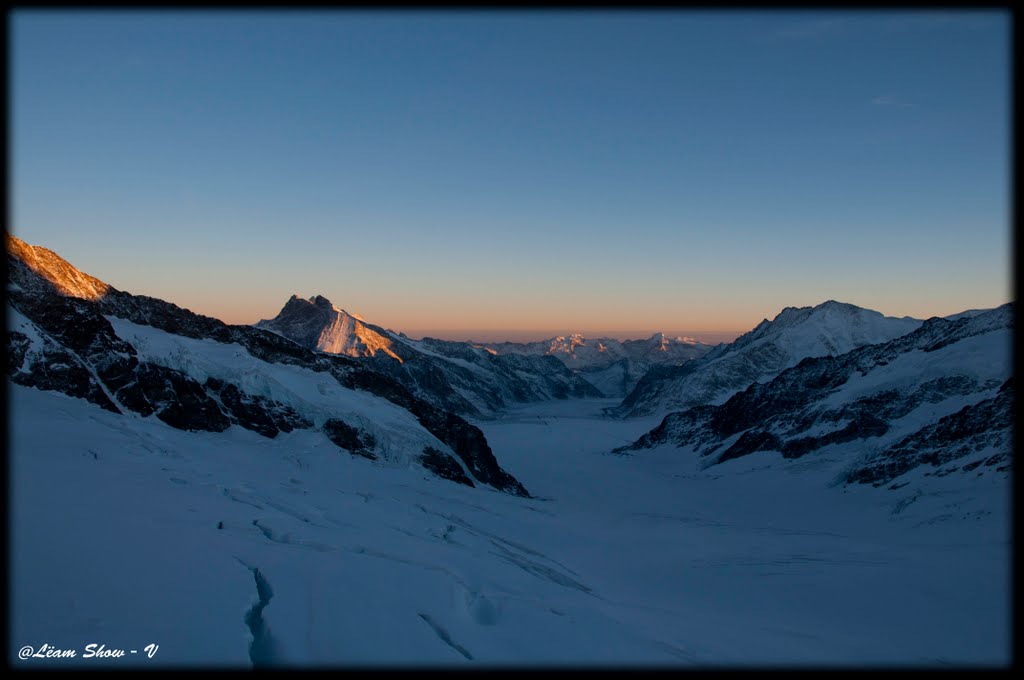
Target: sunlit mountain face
[
  {"x": 318, "y": 324},
  {"x": 831, "y": 488}
]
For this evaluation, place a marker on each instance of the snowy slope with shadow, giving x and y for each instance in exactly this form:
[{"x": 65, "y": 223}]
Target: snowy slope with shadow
[
  {"x": 828, "y": 329},
  {"x": 143, "y": 357},
  {"x": 940, "y": 398},
  {"x": 236, "y": 550}
]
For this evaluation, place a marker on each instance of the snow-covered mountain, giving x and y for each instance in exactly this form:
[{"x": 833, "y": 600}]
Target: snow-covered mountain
[
  {"x": 936, "y": 401},
  {"x": 613, "y": 366},
  {"x": 142, "y": 357},
  {"x": 828, "y": 329},
  {"x": 232, "y": 549},
  {"x": 453, "y": 375},
  {"x": 317, "y": 324},
  {"x": 966, "y": 312},
  {"x": 223, "y": 496}
]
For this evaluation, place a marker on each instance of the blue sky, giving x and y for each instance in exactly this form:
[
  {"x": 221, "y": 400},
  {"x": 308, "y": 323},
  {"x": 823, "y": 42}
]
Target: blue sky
[{"x": 520, "y": 173}]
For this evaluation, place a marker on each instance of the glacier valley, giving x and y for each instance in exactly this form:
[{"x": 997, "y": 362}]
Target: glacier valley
[{"x": 231, "y": 549}]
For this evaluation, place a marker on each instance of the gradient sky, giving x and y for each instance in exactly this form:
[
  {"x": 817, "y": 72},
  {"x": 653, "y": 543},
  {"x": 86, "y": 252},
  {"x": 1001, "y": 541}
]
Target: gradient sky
[{"x": 472, "y": 174}]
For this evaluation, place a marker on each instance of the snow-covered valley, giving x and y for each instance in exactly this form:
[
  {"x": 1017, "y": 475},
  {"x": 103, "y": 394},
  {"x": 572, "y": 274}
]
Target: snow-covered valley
[
  {"x": 232, "y": 549},
  {"x": 469, "y": 341}
]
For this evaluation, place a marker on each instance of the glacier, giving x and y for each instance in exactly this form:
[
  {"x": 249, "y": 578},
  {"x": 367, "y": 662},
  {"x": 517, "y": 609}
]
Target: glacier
[{"x": 127, "y": 531}]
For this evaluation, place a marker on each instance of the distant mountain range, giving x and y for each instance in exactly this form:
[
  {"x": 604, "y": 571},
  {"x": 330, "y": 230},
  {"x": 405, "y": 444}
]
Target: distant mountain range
[{"x": 613, "y": 366}]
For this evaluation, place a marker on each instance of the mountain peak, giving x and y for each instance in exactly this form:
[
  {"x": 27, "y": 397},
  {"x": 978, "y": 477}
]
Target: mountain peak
[
  {"x": 55, "y": 270},
  {"x": 322, "y": 302},
  {"x": 835, "y": 305},
  {"x": 830, "y": 308},
  {"x": 827, "y": 322},
  {"x": 317, "y": 324},
  {"x": 828, "y": 329}
]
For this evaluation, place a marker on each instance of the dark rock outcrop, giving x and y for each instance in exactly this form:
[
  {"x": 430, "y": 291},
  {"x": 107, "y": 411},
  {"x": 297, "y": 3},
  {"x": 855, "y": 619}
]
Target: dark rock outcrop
[
  {"x": 51, "y": 367},
  {"x": 982, "y": 427},
  {"x": 352, "y": 439},
  {"x": 444, "y": 466},
  {"x": 256, "y": 413},
  {"x": 180, "y": 401}
]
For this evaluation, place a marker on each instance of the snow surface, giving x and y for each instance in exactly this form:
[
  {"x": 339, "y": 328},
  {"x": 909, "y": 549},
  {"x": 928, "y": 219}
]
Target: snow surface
[
  {"x": 317, "y": 396},
  {"x": 620, "y": 560}
]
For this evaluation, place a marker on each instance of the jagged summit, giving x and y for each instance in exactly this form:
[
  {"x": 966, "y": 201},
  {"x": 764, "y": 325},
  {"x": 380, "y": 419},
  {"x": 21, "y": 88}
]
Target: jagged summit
[
  {"x": 317, "y": 323},
  {"x": 660, "y": 342},
  {"x": 296, "y": 301}
]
